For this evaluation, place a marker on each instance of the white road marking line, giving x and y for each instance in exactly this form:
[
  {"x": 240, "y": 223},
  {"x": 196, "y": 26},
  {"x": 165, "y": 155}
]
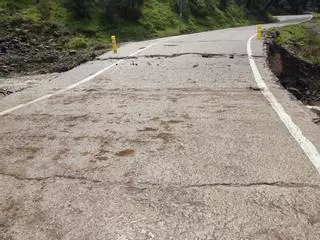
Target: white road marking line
[
  {"x": 306, "y": 145},
  {"x": 72, "y": 86}
]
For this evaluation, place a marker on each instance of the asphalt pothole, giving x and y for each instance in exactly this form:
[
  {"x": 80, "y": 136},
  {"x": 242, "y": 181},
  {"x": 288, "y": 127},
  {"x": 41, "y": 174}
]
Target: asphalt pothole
[
  {"x": 126, "y": 153},
  {"x": 254, "y": 88}
]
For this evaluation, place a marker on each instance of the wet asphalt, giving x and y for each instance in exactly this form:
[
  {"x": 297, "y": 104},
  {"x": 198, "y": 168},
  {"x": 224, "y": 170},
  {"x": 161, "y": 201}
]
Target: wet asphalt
[{"x": 174, "y": 142}]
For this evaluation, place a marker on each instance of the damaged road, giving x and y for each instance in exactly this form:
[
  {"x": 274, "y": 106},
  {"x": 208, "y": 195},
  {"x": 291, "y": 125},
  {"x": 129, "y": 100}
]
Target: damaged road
[
  {"x": 174, "y": 55},
  {"x": 176, "y": 143}
]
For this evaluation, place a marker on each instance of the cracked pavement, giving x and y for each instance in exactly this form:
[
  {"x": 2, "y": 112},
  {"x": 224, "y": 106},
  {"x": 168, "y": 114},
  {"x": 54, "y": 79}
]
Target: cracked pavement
[{"x": 176, "y": 142}]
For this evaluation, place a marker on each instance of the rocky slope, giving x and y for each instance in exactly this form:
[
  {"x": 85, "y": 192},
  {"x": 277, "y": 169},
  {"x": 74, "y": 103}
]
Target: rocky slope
[{"x": 29, "y": 48}]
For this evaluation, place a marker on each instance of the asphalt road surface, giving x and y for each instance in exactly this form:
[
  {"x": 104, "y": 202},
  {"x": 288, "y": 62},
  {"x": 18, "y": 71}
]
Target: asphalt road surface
[{"x": 168, "y": 139}]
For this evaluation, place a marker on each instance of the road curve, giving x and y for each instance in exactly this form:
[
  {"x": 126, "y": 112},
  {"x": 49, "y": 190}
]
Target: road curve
[{"x": 168, "y": 139}]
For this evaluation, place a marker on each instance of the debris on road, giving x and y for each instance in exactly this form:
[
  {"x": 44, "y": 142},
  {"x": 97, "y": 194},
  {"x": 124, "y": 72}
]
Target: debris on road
[
  {"x": 5, "y": 92},
  {"x": 254, "y": 88}
]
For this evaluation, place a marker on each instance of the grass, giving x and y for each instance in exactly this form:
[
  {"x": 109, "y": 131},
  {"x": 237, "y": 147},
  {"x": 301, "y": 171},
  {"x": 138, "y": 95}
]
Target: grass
[
  {"x": 302, "y": 40},
  {"x": 77, "y": 42}
]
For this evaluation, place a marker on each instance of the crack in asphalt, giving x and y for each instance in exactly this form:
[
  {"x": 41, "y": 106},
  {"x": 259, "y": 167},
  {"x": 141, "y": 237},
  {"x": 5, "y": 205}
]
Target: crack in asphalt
[
  {"x": 204, "y": 55},
  {"x": 256, "y": 184},
  {"x": 137, "y": 185},
  {"x": 39, "y": 179},
  {"x": 242, "y": 185}
]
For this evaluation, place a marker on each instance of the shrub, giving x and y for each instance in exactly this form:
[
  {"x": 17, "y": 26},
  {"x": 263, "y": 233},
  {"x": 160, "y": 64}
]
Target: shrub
[{"x": 77, "y": 43}]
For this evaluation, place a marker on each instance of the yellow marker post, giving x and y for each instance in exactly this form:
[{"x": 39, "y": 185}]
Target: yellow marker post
[
  {"x": 259, "y": 32},
  {"x": 114, "y": 44}
]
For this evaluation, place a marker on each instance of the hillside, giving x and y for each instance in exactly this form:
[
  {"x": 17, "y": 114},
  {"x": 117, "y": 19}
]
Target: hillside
[
  {"x": 153, "y": 18},
  {"x": 71, "y": 31}
]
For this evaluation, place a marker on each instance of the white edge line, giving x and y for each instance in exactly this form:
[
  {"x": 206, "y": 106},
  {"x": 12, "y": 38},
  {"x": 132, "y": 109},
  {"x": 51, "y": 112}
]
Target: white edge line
[
  {"x": 72, "y": 86},
  {"x": 305, "y": 144}
]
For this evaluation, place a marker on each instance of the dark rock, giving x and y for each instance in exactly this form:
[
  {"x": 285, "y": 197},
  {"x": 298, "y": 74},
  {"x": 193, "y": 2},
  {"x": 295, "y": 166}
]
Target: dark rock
[
  {"x": 23, "y": 39},
  {"x": 66, "y": 33},
  {"x": 14, "y": 41},
  {"x": 72, "y": 52},
  {"x": 302, "y": 82},
  {"x": 50, "y": 59},
  {"x": 37, "y": 28},
  {"x": 3, "y": 49},
  {"x": 296, "y": 92},
  {"x": 56, "y": 34}
]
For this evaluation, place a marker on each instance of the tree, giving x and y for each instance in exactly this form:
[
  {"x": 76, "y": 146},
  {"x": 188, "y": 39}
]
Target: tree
[
  {"x": 223, "y": 4},
  {"x": 80, "y": 9},
  {"x": 114, "y": 10}
]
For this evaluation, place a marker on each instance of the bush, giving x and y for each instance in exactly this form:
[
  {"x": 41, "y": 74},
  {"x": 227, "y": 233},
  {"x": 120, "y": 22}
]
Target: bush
[{"x": 77, "y": 43}]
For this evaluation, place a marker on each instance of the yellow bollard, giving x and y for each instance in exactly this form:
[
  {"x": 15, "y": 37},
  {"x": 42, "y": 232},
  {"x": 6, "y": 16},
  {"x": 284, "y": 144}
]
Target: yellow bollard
[
  {"x": 259, "y": 32},
  {"x": 114, "y": 44}
]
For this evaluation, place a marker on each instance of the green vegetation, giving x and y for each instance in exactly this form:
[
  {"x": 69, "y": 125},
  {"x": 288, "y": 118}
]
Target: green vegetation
[
  {"x": 139, "y": 19},
  {"x": 302, "y": 40},
  {"x": 77, "y": 42},
  {"x": 128, "y": 19}
]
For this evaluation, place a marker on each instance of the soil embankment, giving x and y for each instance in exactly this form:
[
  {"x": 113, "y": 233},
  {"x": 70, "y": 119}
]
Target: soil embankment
[
  {"x": 298, "y": 76},
  {"x": 29, "y": 48},
  {"x": 294, "y": 57}
]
